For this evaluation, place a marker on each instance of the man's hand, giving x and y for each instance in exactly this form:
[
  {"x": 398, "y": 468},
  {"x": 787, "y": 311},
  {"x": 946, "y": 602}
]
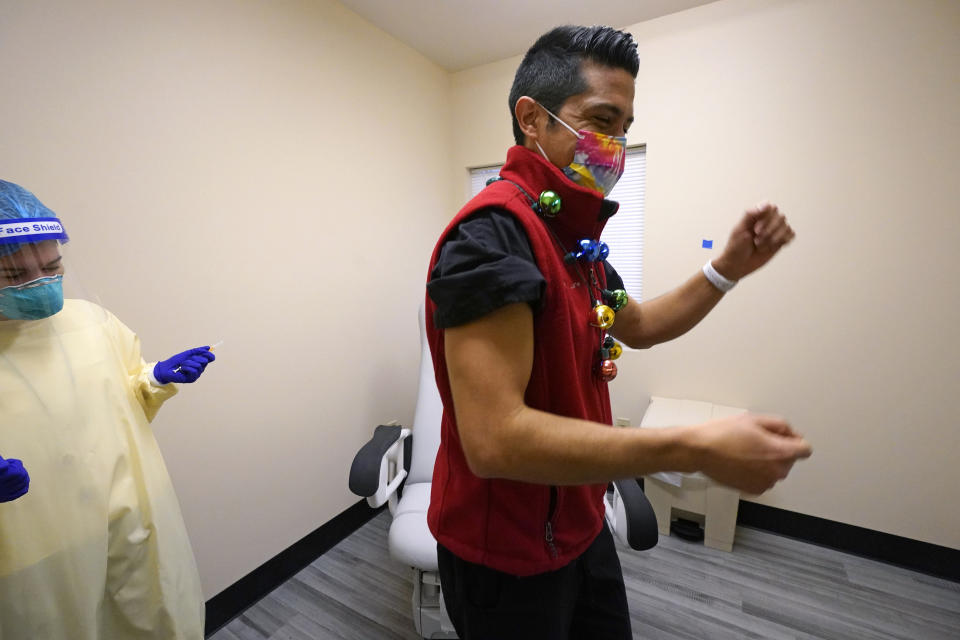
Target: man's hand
[
  {"x": 759, "y": 235},
  {"x": 749, "y": 452}
]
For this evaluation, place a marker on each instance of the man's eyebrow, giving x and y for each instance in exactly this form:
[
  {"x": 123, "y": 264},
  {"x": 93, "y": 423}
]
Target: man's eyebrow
[
  {"x": 54, "y": 261},
  {"x": 607, "y": 106},
  {"x": 613, "y": 109}
]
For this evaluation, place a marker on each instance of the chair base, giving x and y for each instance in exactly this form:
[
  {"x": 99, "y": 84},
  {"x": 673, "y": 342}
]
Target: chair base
[{"x": 429, "y": 611}]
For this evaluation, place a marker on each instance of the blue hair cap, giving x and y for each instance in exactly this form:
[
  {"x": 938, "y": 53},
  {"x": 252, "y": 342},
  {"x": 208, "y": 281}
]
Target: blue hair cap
[{"x": 17, "y": 202}]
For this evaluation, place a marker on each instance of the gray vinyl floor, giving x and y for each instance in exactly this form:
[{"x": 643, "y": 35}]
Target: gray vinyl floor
[{"x": 770, "y": 587}]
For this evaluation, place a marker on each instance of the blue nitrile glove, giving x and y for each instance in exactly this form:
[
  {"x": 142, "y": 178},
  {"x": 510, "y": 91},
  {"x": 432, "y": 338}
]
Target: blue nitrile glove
[
  {"x": 183, "y": 367},
  {"x": 14, "y": 479}
]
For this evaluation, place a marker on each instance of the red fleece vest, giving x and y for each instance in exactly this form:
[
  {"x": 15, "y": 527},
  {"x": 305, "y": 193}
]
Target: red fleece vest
[{"x": 503, "y": 524}]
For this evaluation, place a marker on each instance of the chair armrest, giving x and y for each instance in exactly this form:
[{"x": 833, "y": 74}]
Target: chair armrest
[
  {"x": 631, "y": 516},
  {"x": 379, "y": 467}
]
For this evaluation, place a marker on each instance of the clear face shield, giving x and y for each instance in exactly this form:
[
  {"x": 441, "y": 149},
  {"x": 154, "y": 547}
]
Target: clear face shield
[{"x": 33, "y": 265}]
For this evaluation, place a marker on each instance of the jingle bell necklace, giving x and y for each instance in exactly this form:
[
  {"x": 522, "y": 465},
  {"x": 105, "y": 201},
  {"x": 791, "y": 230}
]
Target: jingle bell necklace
[{"x": 606, "y": 303}]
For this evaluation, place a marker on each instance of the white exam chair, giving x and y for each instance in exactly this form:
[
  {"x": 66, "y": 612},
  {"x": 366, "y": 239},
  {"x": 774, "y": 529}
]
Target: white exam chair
[{"x": 396, "y": 468}]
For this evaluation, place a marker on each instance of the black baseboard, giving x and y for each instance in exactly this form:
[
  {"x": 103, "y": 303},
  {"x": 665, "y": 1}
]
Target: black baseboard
[
  {"x": 931, "y": 559},
  {"x": 238, "y": 597}
]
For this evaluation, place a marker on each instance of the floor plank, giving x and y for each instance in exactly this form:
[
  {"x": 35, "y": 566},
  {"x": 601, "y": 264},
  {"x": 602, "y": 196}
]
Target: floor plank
[{"x": 770, "y": 587}]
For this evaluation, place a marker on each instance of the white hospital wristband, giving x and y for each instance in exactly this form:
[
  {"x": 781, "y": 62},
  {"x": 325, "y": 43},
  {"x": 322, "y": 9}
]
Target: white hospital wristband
[{"x": 716, "y": 279}]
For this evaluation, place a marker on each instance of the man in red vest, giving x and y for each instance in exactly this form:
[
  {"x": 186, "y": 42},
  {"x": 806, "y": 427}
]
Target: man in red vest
[{"x": 521, "y": 305}]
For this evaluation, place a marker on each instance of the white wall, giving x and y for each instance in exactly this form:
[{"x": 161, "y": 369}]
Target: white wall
[
  {"x": 845, "y": 114},
  {"x": 264, "y": 173}
]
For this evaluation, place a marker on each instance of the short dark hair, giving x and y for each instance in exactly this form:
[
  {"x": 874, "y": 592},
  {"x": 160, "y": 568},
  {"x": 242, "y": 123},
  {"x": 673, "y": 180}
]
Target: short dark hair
[{"x": 550, "y": 70}]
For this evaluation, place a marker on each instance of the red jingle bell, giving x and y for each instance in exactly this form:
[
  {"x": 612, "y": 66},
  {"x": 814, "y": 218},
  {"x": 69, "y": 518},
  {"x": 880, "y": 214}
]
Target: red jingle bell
[{"x": 608, "y": 370}]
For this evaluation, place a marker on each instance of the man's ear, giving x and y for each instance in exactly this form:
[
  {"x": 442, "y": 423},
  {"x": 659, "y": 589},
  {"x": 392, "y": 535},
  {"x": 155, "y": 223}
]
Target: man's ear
[{"x": 529, "y": 116}]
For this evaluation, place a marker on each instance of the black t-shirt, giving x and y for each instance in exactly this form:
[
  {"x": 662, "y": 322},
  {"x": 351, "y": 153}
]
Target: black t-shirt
[{"x": 487, "y": 263}]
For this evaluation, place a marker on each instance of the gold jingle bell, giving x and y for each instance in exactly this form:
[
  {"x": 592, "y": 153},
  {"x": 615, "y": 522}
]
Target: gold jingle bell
[
  {"x": 615, "y": 351},
  {"x": 602, "y": 316}
]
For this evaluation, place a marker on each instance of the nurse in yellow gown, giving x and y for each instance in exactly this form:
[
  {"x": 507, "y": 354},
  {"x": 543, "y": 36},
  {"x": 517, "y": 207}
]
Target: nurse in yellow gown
[{"x": 95, "y": 548}]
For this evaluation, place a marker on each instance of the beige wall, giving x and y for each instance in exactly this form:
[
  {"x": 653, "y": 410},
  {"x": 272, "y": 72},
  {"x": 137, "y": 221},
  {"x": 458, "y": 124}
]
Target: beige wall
[
  {"x": 264, "y": 173},
  {"x": 844, "y": 113}
]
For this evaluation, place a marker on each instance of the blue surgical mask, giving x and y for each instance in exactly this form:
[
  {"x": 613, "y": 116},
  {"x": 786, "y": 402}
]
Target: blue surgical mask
[{"x": 40, "y": 298}]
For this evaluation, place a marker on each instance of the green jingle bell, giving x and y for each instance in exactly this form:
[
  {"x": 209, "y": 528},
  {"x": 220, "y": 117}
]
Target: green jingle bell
[
  {"x": 602, "y": 316},
  {"x": 550, "y": 203},
  {"x": 617, "y": 298},
  {"x": 615, "y": 351}
]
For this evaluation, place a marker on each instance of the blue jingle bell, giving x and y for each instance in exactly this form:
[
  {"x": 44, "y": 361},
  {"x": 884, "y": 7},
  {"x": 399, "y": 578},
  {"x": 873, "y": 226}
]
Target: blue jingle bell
[
  {"x": 604, "y": 251},
  {"x": 591, "y": 250},
  {"x": 588, "y": 250}
]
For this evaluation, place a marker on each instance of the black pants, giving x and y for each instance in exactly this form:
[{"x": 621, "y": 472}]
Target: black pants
[{"x": 585, "y": 599}]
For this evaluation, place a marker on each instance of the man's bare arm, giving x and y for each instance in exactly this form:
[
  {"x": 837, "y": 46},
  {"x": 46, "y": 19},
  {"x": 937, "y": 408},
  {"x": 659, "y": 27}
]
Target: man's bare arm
[{"x": 489, "y": 362}]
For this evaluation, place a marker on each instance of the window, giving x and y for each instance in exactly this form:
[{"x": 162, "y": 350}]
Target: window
[
  {"x": 624, "y": 231},
  {"x": 479, "y": 177}
]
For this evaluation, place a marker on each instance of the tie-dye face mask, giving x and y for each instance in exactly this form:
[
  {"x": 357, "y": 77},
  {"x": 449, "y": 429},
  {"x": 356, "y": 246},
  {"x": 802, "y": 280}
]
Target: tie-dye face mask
[{"x": 598, "y": 159}]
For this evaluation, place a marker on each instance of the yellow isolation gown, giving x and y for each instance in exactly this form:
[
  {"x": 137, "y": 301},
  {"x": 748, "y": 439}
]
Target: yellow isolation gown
[{"x": 97, "y": 548}]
